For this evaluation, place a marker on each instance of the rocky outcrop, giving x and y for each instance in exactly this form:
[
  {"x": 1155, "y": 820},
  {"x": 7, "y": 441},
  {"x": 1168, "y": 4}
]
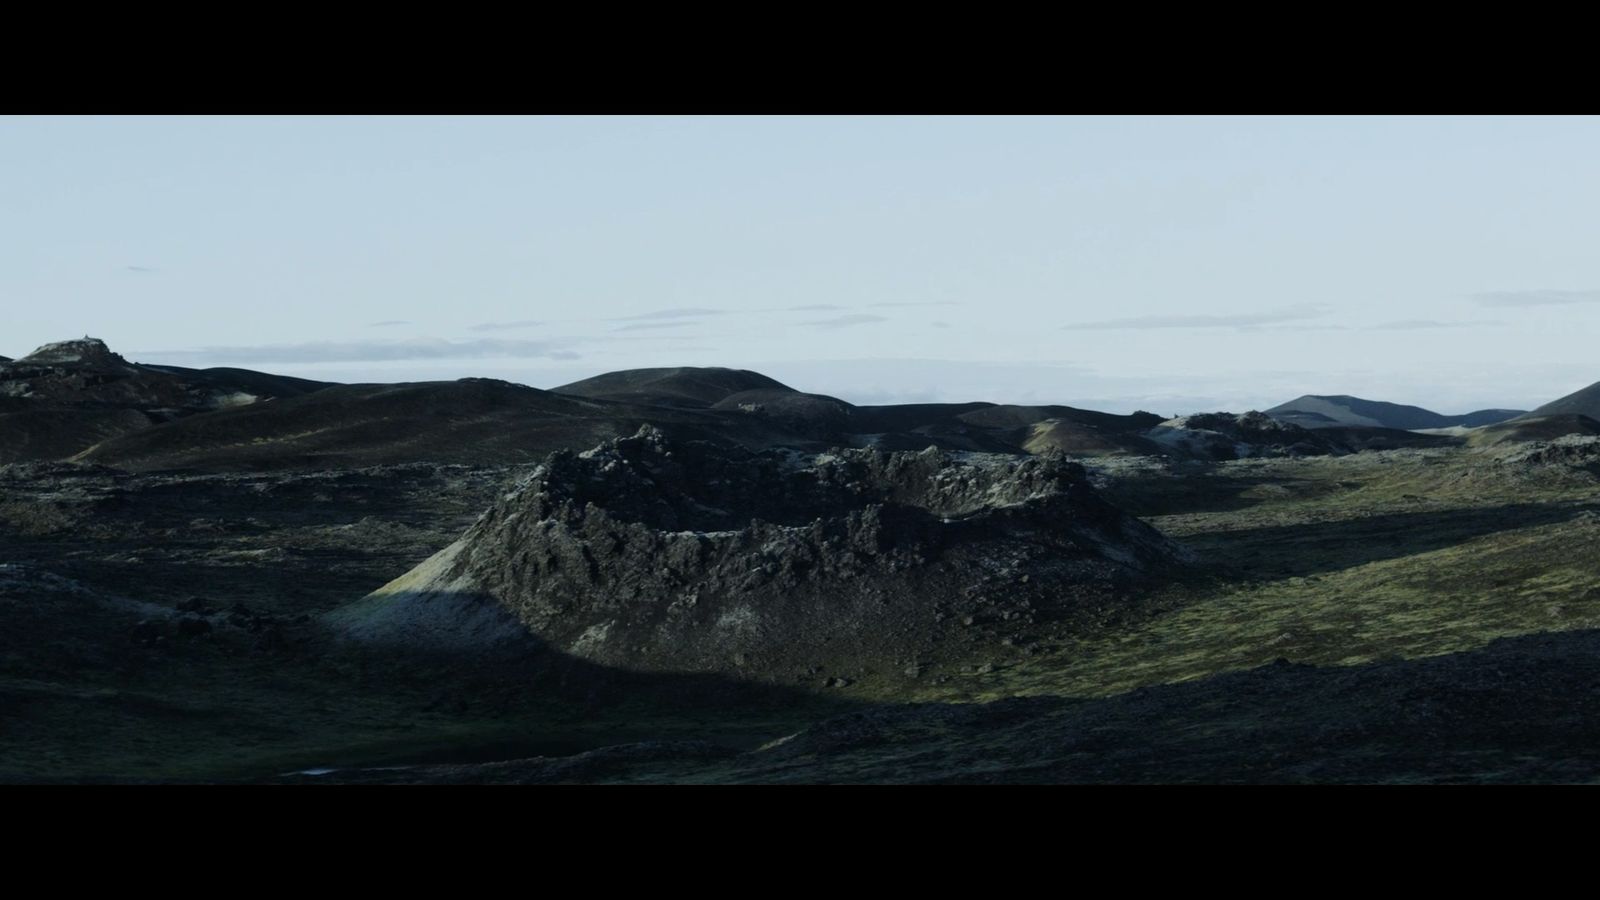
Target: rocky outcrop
[
  {"x": 86, "y": 351},
  {"x": 645, "y": 553},
  {"x": 1221, "y": 436},
  {"x": 1580, "y": 452}
]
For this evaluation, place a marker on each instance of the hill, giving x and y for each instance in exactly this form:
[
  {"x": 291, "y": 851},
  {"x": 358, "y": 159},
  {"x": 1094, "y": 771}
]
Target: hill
[
  {"x": 67, "y": 396},
  {"x": 1328, "y": 411},
  {"x": 1584, "y": 402},
  {"x": 1533, "y": 428},
  {"x": 78, "y": 400},
  {"x": 682, "y": 386},
  {"x": 471, "y": 421}
]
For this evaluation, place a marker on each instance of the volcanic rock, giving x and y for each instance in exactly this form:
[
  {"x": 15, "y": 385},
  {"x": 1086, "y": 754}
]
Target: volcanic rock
[
  {"x": 1574, "y": 451},
  {"x": 652, "y": 554},
  {"x": 1220, "y": 436}
]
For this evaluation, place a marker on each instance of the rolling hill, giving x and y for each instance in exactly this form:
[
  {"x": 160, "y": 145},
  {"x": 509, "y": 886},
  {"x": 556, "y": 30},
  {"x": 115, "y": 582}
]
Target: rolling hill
[
  {"x": 686, "y": 386},
  {"x": 67, "y": 396},
  {"x": 1329, "y": 411},
  {"x": 1584, "y": 402},
  {"x": 471, "y": 421}
]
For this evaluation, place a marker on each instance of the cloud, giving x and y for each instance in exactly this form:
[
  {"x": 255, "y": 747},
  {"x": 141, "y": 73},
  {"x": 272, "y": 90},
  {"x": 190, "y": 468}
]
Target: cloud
[
  {"x": 813, "y": 307},
  {"x": 641, "y": 326},
  {"x": 684, "y": 313},
  {"x": 1235, "y": 320},
  {"x": 1536, "y": 298},
  {"x": 140, "y": 269},
  {"x": 505, "y": 326},
  {"x": 915, "y": 303},
  {"x": 941, "y": 324},
  {"x": 1422, "y": 324},
  {"x": 845, "y": 321},
  {"x": 369, "y": 351},
  {"x": 388, "y": 322}
]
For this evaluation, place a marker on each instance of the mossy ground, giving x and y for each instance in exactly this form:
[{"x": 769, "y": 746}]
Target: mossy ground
[
  {"x": 1353, "y": 562},
  {"x": 1337, "y": 561}
]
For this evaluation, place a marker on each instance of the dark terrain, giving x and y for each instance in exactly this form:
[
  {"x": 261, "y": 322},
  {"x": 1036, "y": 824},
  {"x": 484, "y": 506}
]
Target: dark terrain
[
  {"x": 703, "y": 575},
  {"x": 1584, "y": 402},
  {"x": 1314, "y": 411},
  {"x": 649, "y": 554}
]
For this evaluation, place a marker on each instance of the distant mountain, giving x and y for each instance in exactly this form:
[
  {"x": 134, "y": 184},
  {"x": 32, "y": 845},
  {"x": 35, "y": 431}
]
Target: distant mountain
[
  {"x": 1585, "y": 402},
  {"x": 1329, "y": 411},
  {"x": 67, "y": 396},
  {"x": 78, "y": 400},
  {"x": 685, "y": 386}
]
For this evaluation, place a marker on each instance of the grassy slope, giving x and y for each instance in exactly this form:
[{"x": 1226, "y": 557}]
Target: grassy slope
[{"x": 1338, "y": 561}]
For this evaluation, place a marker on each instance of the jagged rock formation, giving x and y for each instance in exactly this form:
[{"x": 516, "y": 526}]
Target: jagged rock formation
[
  {"x": 645, "y": 553},
  {"x": 1573, "y": 451},
  {"x": 1221, "y": 436}
]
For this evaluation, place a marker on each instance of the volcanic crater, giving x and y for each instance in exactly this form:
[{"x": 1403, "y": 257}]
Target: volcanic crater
[{"x": 651, "y": 554}]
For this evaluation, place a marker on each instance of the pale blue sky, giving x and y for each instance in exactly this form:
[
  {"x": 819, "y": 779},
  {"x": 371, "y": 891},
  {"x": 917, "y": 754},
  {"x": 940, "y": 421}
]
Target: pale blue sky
[{"x": 1174, "y": 264}]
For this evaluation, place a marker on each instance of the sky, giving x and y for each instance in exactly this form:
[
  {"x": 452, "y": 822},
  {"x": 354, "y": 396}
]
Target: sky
[{"x": 1173, "y": 264}]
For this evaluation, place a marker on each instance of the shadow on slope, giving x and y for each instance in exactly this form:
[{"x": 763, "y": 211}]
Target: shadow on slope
[
  {"x": 1282, "y": 550},
  {"x": 93, "y": 692},
  {"x": 1524, "y": 709}
]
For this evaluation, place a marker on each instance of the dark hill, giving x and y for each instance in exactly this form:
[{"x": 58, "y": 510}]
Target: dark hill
[
  {"x": 910, "y": 416},
  {"x": 1002, "y": 428},
  {"x": 1488, "y": 417},
  {"x": 35, "y": 432},
  {"x": 471, "y": 421},
  {"x": 262, "y": 385},
  {"x": 1356, "y": 438},
  {"x": 1585, "y": 402},
  {"x": 1325, "y": 411},
  {"x": 1007, "y": 416},
  {"x": 67, "y": 396},
  {"x": 683, "y": 386},
  {"x": 1534, "y": 428},
  {"x": 810, "y": 415}
]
